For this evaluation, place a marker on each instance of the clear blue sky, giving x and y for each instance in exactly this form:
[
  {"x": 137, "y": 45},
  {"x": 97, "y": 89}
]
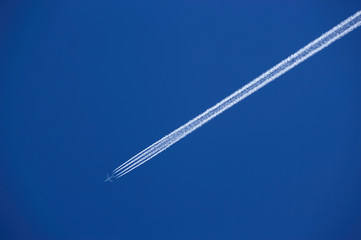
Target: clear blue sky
[{"x": 85, "y": 85}]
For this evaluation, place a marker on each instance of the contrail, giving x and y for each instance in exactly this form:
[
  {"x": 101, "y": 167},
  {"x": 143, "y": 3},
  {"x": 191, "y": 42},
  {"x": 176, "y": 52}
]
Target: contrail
[{"x": 301, "y": 55}]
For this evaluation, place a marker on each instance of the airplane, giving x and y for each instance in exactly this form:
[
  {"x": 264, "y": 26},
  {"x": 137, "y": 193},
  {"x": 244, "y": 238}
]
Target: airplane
[{"x": 109, "y": 179}]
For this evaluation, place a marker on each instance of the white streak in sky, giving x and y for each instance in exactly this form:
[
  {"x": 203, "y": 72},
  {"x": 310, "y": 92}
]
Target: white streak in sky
[{"x": 301, "y": 55}]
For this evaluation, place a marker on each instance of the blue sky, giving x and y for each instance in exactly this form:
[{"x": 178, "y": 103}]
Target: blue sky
[{"x": 85, "y": 85}]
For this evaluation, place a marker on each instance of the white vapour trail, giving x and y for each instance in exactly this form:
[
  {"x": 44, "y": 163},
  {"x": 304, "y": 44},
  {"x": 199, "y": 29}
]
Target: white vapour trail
[{"x": 301, "y": 55}]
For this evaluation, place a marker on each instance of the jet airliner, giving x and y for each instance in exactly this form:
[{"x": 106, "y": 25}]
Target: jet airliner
[{"x": 109, "y": 179}]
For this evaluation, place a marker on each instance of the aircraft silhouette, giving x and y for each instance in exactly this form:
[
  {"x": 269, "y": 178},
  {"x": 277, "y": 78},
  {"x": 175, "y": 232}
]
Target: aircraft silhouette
[{"x": 109, "y": 179}]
